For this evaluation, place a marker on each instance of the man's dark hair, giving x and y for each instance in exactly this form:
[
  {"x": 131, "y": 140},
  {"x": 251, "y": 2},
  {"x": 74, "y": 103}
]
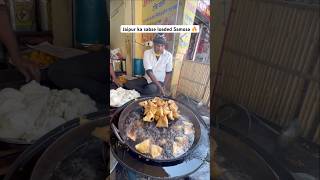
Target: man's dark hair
[{"x": 159, "y": 38}]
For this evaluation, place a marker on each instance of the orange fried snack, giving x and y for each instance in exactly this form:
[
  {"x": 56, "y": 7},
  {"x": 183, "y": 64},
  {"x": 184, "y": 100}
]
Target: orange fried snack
[
  {"x": 149, "y": 117},
  {"x": 160, "y": 111},
  {"x": 156, "y": 151},
  {"x": 144, "y": 146},
  {"x": 162, "y": 122}
]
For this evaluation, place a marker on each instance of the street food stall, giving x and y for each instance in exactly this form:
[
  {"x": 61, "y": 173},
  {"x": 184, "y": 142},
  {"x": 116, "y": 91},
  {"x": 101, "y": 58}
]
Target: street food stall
[{"x": 130, "y": 162}]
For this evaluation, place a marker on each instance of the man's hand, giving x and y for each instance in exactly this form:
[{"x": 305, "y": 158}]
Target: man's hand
[
  {"x": 116, "y": 82},
  {"x": 162, "y": 91},
  {"x": 28, "y": 68},
  {"x": 167, "y": 91},
  {"x": 154, "y": 80}
]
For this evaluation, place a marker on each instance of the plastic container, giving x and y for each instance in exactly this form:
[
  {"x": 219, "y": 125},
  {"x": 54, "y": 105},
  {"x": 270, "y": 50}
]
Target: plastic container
[
  {"x": 117, "y": 65},
  {"x": 124, "y": 66},
  {"x": 138, "y": 69},
  {"x": 45, "y": 12},
  {"x": 90, "y": 22}
]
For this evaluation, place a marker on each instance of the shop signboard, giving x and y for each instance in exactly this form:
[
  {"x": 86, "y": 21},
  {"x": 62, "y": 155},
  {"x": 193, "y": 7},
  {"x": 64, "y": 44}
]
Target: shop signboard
[
  {"x": 188, "y": 19},
  {"x": 159, "y": 12}
]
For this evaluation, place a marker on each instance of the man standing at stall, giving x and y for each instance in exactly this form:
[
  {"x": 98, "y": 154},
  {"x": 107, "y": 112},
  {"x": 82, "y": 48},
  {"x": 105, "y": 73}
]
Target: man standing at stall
[{"x": 157, "y": 63}]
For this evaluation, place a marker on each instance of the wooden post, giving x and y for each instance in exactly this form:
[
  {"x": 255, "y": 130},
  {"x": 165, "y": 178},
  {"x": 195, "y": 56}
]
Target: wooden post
[
  {"x": 62, "y": 23},
  {"x": 189, "y": 12}
]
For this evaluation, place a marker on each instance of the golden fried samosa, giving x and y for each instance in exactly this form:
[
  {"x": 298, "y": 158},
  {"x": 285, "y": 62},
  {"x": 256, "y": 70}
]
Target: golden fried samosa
[
  {"x": 170, "y": 115},
  {"x": 149, "y": 117},
  {"x": 175, "y": 114},
  {"x": 173, "y": 107},
  {"x": 156, "y": 151},
  {"x": 162, "y": 122},
  {"x": 144, "y": 146},
  {"x": 143, "y": 103}
]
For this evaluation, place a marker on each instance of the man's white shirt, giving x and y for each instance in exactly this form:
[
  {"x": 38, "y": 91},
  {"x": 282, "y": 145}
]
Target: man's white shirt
[{"x": 159, "y": 67}]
